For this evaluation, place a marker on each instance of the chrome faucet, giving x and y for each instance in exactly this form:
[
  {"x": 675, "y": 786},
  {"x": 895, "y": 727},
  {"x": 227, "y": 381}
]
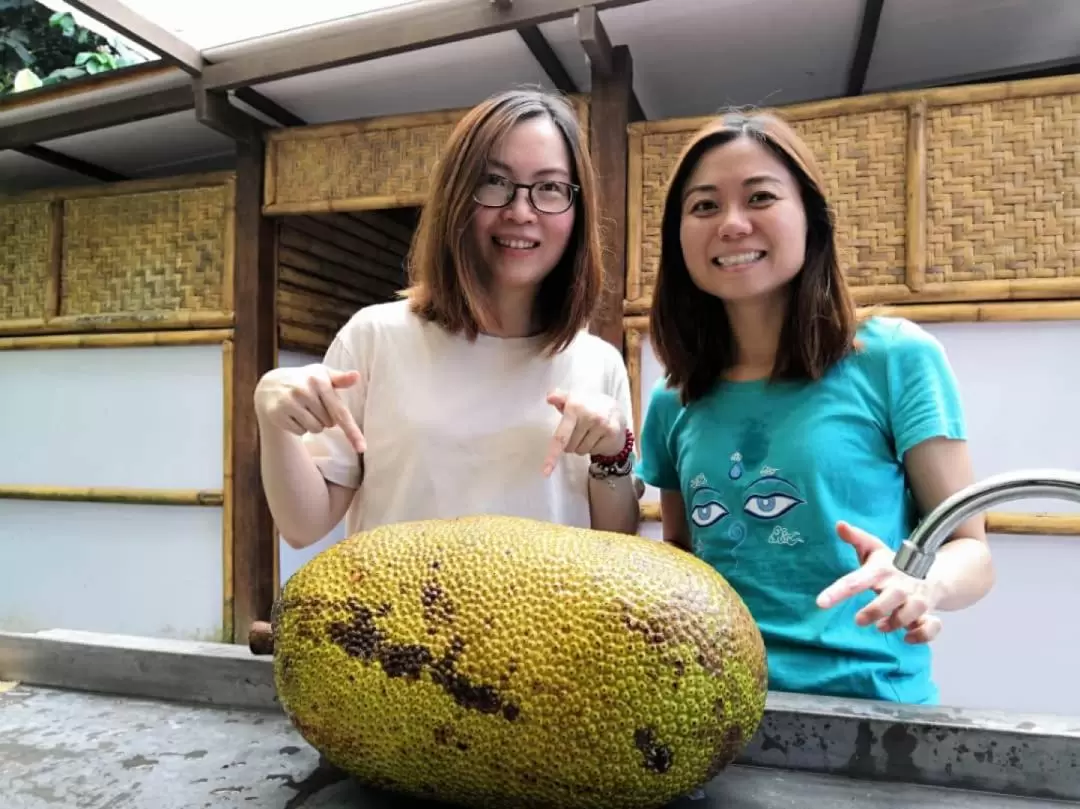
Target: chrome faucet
[{"x": 916, "y": 554}]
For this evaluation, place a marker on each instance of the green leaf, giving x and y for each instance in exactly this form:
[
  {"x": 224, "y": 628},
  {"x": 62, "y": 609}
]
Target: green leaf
[{"x": 68, "y": 73}]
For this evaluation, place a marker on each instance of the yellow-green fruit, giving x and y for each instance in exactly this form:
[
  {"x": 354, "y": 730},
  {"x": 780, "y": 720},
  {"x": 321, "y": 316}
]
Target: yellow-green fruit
[{"x": 496, "y": 661}]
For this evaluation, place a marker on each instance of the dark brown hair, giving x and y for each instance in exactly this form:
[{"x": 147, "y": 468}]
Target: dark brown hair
[
  {"x": 689, "y": 329},
  {"x": 445, "y": 271}
]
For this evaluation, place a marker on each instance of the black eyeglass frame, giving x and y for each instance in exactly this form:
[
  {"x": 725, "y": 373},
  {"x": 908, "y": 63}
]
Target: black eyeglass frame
[{"x": 513, "y": 187}]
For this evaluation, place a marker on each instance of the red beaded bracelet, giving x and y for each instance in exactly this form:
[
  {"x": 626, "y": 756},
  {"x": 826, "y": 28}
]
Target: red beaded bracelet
[{"x": 616, "y": 460}]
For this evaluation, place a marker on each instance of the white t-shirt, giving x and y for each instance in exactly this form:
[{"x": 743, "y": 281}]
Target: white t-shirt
[{"x": 455, "y": 427}]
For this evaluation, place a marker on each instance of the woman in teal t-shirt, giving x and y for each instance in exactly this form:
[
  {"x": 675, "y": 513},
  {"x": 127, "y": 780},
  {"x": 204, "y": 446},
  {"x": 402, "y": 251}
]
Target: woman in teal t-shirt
[{"x": 795, "y": 445}]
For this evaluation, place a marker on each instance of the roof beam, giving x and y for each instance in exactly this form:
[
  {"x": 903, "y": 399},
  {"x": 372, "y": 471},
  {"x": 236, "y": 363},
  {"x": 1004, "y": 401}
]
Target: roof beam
[
  {"x": 75, "y": 164},
  {"x": 598, "y": 49},
  {"x": 864, "y": 48},
  {"x": 138, "y": 29},
  {"x": 212, "y": 109},
  {"x": 139, "y": 107},
  {"x": 594, "y": 40},
  {"x": 374, "y": 36},
  {"x": 546, "y": 57}
]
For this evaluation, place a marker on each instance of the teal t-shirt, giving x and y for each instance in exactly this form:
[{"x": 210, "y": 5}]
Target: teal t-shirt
[{"x": 767, "y": 470}]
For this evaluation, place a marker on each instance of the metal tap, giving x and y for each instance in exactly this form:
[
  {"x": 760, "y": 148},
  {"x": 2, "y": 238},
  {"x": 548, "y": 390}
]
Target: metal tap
[{"x": 916, "y": 554}]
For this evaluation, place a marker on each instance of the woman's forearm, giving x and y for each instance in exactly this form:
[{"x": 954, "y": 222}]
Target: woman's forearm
[
  {"x": 304, "y": 506},
  {"x": 614, "y": 504},
  {"x": 962, "y": 573}
]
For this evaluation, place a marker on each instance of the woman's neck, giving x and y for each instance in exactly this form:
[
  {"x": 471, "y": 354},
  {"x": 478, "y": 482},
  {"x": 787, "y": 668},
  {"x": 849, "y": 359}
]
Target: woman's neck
[
  {"x": 756, "y": 327},
  {"x": 516, "y": 311}
]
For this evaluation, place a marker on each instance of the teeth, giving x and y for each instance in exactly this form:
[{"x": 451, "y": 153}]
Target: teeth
[
  {"x": 516, "y": 244},
  {"x": 741, "y": 258}
]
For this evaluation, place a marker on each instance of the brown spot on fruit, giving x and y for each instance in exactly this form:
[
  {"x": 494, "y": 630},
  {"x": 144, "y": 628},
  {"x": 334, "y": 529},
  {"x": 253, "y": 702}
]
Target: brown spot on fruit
[{"x": 656, "y": 757}]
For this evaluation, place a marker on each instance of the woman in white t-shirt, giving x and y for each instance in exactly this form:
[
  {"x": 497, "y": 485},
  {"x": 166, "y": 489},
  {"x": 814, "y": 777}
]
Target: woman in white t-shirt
[{"x": 481, "y": 391}]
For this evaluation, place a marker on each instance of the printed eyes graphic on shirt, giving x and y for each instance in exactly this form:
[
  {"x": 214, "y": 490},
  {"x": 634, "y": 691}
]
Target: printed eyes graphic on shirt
[
  {"x": 767, "y": 498},
  {"x": 771, "y": 497},
  {"x": 706, "y": 508}
]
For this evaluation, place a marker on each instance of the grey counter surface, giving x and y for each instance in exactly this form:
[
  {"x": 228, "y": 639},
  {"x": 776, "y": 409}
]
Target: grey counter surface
[{"x": 61, "y": 748}]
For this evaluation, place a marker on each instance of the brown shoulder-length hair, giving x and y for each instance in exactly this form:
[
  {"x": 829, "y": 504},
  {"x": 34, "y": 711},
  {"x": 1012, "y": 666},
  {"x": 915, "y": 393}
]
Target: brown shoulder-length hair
[
  {"x": 448, "y": 284},
  {"x": 689, "y": 329}
]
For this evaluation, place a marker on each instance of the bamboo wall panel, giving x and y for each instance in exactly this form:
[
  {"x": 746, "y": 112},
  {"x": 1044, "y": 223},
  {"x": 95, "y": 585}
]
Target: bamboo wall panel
[
  {"x": 159, "y": 251},
  {"x": 124, "y": 256},
  {"x": 954, "y": 194},
  {"x": 1004, "y": 194},
  {"x": 360, "y": 165},
  {"x": 24, "y": 259},
  {"x": 332, "y": 265}
]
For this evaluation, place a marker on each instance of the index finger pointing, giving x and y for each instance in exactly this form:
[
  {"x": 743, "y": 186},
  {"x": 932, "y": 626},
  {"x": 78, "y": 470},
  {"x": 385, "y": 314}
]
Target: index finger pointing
[
  {"x": 344, "y": 419},
  {"x": 558, "y": 441}
]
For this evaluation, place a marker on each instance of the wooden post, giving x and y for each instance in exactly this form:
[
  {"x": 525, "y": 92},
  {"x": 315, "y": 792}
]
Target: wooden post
[
  {"x": 609, "y": 114},
  {"x": 254, "y": 352}
]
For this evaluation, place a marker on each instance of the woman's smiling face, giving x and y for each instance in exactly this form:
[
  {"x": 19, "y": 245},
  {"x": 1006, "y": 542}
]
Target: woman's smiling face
[
  {"x": 743, "y": 226},
  {"x": 519, "y": 244}
]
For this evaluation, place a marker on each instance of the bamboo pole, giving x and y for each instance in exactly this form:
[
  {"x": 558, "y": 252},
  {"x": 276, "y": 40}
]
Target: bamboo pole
[
  {"x": 228, "y": 630},
  {"x": 112, "y": 494},
  {"x": 123, "y": 340},
  {"x": 228, "y": 275},
  {"x": 53, "y": 291},
  {"x": 636, "y": 312},
  {"x": 1011, "y": 311},
  {"x": 635, "y": 169},
  {"x": 997, "y": 522},
  {"x": 633, "y": 371},
  {"x": 128, "y": 321},
  {"x": 916, "y": 181},
  {"x": 1023, "y": 289}
]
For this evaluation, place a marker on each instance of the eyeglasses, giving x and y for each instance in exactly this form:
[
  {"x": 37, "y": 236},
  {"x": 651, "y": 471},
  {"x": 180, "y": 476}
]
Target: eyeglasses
[{"x": 546, "y": 196}]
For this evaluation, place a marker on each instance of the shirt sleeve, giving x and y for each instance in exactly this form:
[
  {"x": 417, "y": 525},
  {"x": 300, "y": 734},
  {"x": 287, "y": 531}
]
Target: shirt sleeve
[
  {"x": 334, "y": 455},
  {"x": 924, "y": 394},
  {"x": 656, "y": 465}
]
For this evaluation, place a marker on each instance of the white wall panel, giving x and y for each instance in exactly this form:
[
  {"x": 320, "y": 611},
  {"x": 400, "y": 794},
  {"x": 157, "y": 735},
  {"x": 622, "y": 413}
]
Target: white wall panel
[
  {"x": 128, "y": 569},
  {"x": 132, "y": 417}
]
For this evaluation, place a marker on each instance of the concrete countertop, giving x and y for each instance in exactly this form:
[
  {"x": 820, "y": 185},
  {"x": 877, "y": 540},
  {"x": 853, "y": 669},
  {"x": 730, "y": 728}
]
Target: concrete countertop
[
  {"x": 100, "y": 721},
  {"x": 70, "y": 749}
]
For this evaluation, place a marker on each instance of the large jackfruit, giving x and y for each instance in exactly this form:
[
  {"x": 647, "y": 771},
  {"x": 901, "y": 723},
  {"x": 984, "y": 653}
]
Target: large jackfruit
[{"x": 496, "y": 661}]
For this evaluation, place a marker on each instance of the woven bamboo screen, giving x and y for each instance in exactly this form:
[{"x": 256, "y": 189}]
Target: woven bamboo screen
[
  {"x": 332, "y": 265},
  {"x": 954, "y": 194},
  {"x": 121, "y": 255},
  {"x": 360, "y": 165}
]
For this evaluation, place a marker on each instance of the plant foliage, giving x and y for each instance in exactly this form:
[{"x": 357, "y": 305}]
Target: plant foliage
[{"x": 39, "y": 47}]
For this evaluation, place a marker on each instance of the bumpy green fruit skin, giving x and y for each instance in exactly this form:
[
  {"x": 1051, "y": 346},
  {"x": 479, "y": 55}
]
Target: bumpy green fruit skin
[{"x": 499, "y": 661}]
